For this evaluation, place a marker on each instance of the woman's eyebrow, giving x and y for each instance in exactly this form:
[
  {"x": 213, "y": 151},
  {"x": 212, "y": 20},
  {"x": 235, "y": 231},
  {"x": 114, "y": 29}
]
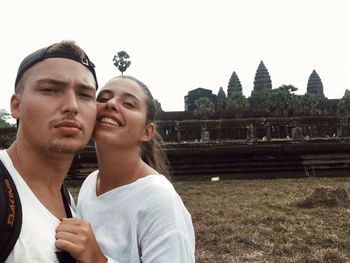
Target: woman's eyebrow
[{"x": 130, "y": 95}]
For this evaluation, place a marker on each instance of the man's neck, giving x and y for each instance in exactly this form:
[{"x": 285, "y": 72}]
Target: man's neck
[
  {"x": 40, "y": 168},
  {"x": 44, "y": 174}
]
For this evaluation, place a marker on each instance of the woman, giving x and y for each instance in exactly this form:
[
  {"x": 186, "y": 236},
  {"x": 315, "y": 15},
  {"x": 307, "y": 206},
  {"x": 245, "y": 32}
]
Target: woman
[{"x": 134, "y": 211}]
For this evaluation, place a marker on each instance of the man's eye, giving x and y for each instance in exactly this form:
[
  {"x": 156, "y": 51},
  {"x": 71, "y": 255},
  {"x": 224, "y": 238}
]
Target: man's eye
[
  {"x": 49, "y": 90},
  {"x": 86, "y": 95}
]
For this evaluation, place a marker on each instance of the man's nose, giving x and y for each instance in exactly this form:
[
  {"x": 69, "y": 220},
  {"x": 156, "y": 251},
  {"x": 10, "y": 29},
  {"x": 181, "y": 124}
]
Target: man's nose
[{"x": 70, "y": 103}]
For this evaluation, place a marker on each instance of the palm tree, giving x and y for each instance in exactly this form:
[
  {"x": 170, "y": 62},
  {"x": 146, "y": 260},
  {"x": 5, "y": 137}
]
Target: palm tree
[
  {"x": 308, "y": 104},
  {"x": 122, "y": 61},
  {"x": 4, "y": 117},
  {"x": 205, "y": 107},
  {"x": 280, "y": 101},
  {"x": 343, "y": 107},
  {"x": 237, "y": 103}
]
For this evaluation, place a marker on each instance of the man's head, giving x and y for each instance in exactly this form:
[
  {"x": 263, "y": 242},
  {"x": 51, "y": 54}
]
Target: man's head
[
  {"x": 64, "y": 49},
  {"x": 54, "y": 99}
]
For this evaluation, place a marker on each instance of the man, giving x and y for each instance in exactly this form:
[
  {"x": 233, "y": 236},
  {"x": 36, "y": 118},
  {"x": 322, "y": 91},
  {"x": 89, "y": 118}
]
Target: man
[{"x": 54, "y": 104}]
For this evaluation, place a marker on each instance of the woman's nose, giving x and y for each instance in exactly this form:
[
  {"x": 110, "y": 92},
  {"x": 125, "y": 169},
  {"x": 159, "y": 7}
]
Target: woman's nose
[{"x": 112, "y": 105}]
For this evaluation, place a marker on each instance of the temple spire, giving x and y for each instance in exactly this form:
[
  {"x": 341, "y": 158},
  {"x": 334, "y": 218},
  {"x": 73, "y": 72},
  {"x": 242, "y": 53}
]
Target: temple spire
[
  {"x": 262, "y": 79},
  {"x": 262, "y": 84},
  {"x": 221, "y": 100},
  {"x": 234, "y": 85},
  {"x": 314, "y": 85}
]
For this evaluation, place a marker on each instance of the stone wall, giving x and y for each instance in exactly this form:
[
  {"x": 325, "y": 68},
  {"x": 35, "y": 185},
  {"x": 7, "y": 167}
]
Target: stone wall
[{"x": 240, "y": 159}]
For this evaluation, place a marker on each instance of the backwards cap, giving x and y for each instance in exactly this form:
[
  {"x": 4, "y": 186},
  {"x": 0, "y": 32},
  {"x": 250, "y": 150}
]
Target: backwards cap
[{"x": 45, "y": 53}]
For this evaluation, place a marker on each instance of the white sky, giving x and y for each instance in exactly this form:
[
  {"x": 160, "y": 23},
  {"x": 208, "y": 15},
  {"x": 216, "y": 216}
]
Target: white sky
[{"x": 176, "y": 46}]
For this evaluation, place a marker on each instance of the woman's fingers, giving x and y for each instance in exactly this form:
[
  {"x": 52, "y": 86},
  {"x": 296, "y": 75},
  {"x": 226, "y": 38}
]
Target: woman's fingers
[{"x": 76, "y": 237}]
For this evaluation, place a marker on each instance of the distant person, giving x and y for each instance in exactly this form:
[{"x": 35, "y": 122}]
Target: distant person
[
  {"x": 134, "y": 211},
  {"x": 54, "y": 105}
]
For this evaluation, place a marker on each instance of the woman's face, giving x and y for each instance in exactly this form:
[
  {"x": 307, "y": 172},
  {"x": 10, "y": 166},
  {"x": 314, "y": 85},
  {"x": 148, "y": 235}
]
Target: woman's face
[{"x": 121, "y": 114}]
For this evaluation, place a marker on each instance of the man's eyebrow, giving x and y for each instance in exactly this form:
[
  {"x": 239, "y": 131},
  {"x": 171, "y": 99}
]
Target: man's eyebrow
[
  {"x": 62, "y": 83},
  {"x": 86, "y": 87},
  {"x": 51, "y": 81}
]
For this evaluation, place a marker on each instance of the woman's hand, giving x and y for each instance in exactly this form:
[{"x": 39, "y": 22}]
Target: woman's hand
[{"x": 76, "y": 237}]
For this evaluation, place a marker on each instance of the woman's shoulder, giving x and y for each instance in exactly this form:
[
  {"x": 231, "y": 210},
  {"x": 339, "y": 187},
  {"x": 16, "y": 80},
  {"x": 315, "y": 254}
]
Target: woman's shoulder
[
  {"x": 157, "y": 182},
  {"x": 160, "y": 190},
  {"x": 90, "y": 179}
]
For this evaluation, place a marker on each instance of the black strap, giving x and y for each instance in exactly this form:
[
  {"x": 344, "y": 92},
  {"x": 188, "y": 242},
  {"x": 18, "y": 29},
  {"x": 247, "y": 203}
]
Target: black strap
[
  {"x": 10, "y": 213},
  {"x": 66, "y": 200},
  {"x": 11, "y": 216},
  {"x": 63, "y": 256}
]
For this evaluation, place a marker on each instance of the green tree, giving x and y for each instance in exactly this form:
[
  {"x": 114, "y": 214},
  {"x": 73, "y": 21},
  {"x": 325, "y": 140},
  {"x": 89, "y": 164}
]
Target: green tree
[
  {"x": 205, "y": 107},
  {"x": 280, "y": 101},
  {"x": 237, "y": 103},
  {"x": 122, "y": 61},
  {"x": 7, "y": 137},
  {"x": 307, "y": 104},
  {"x": 4, "y": 117},
  {"x": 158, "y": 106},
  {"x": 343, "y": 107}
]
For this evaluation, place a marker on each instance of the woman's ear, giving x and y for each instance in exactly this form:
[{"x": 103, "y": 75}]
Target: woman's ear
[
  {"x": 148, "y": 132},
  {"x": 15, "y": 106}
]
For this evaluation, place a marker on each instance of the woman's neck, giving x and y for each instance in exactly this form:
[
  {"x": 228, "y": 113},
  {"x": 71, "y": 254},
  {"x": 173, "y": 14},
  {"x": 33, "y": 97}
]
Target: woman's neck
[{"x": 118, "y": 168}]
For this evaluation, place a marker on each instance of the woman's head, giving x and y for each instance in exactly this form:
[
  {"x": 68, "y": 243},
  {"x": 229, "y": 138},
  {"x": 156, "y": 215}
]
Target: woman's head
[
  {"x": 128, "y": 103},
  {"x": 149, "y": 102}
]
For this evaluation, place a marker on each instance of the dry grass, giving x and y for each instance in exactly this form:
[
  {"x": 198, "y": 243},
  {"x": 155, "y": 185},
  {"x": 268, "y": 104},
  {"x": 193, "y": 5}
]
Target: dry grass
[{"x": 260, "y": 221}]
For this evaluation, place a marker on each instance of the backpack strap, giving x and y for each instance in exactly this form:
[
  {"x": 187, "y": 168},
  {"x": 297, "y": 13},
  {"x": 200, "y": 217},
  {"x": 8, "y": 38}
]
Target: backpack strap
[
  {"x": 64, "y": 256},
  {"x": 66, "y": 200},
  {"x": 10, "y": 213}
]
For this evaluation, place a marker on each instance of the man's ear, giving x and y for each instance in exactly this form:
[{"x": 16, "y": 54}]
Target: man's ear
[
  {"x": 15, "y": 106},
  {"x": 148, "y": 132}
]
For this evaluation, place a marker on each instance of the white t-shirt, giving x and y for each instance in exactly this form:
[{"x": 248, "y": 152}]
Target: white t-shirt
[
  {"x": 36, "y": 242},
  {"x": 145, "y": 221}
]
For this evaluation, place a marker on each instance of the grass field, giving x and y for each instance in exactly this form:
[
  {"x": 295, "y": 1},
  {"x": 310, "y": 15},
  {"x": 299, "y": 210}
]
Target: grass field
[{"x": 260, "y": 221}]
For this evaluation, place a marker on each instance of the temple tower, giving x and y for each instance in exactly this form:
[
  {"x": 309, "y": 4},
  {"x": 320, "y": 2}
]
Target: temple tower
[
  {"x": 221, "y": 100},
  {"x": 234, "y": 85},
  {"x": 262, "y": 84},
  {"x": 314, "y": 85}
]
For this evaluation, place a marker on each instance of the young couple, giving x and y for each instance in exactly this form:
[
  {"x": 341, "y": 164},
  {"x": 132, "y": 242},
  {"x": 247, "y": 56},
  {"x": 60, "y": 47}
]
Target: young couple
[{"x": 127, "y": 210}]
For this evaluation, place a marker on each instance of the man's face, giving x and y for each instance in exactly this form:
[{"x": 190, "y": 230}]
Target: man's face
[{"x": 56, "y": 106}]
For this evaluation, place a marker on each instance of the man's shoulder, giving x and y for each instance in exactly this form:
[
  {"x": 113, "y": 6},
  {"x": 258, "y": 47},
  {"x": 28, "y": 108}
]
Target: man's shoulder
[{"x": 2, "y": 154}]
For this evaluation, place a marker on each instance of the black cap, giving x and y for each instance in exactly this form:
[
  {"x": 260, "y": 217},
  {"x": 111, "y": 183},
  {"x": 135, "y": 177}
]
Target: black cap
[{"x": 45, "y": 53}]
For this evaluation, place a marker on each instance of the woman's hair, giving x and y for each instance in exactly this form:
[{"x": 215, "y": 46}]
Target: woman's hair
[{"x": 152, "y": 151}]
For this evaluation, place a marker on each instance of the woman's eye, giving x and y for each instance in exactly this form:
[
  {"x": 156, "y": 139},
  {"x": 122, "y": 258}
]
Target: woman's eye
[
  {"x": 129, "y": 105},
  {"x": 102, "y": 99}
]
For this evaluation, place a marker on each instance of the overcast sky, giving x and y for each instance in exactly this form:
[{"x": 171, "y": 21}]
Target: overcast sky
[{"x": 176, "y": 46}]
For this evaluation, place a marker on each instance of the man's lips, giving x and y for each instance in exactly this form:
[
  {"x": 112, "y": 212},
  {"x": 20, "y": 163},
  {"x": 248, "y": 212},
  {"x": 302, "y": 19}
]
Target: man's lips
[{"x": 68, "y": 127}]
